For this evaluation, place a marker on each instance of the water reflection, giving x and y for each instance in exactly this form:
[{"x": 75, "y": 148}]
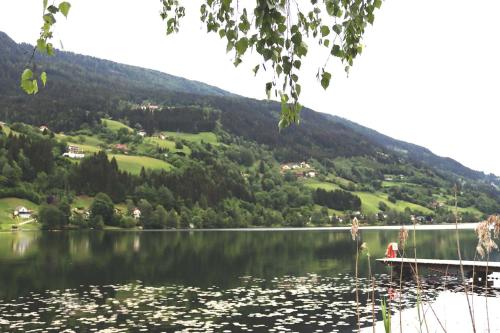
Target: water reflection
[{"x": 206, "y": 281}]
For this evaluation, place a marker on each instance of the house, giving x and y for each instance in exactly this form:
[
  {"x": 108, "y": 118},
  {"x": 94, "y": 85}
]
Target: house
[
  {"x": 150, "y": 107},
  {"x": 141, "y": 133},
  {"x": 285, "y": 167},
  {"x": 311, "y": 174},
  {"x": 74, "y": 149},
  {"x": 162, "y": 137},
  {"x": 121, "y": 146},
  {"x": 295, "y": 166},
  {"x": 136, "y": 213},
  {"x": 305, "y": 165},
  {"x": 43, "y": 128},
  {"x": 22, "y": 212},
  {"x": 74, "y": 155}
]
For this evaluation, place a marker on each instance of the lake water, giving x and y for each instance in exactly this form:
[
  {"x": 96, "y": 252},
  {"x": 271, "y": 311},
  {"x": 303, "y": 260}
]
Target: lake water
[{"x": 204, "y": 281}]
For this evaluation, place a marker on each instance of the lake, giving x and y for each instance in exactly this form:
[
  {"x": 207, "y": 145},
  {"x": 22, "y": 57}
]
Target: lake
[{"x": 205, "y": 281}]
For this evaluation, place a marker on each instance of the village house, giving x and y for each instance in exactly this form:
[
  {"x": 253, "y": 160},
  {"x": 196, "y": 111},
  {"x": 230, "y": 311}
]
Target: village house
[
  {"x": 136, "y": 213},
  {"x": 305, "y": 165},
  {"x": 22, "y": 212},
  {"x": 150, "y": 107},
  {"x": 74, "y": 149},
  {"x": 311, "y": 174},
  {"x": 285, "y": 167},
  {"x": 121, "y": 146},
  {"x": 43, "y": 128},
  {"x": 74, "y": 155},
  {"x": 141, "y": 133}
]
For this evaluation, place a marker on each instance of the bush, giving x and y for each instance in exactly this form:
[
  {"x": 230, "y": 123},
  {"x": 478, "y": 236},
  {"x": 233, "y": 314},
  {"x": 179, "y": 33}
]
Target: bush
[
  {"x": 52, "y": 218},
  {"x": 128, "y": 222}
]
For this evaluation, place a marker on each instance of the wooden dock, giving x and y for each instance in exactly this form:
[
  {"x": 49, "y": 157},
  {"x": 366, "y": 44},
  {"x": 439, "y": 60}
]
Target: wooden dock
[{"x": 443, "y": 265}]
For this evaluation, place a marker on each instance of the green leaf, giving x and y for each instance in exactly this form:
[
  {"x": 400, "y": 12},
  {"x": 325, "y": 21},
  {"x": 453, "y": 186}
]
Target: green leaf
[
  {"x": 53, "y": 9},
  {"x": 269, "y": 87},
  {"x": 64, "y": 7},
  {"x": 377, "y": 3},
  {"x": 35, "y": 86},
  {"x": 50, "y": 49},
  {"x": 41, "y": 46},
  {"x": 45, "y": 4},
  {"x": 242, "y": 45},
  {"x": 27, "y": 86},
  {"x": 43, "y": 77},
  {"x": 325, "y": 79},
  {"x": 325, "y": 31},
  {"x": 27, "y": 74}
]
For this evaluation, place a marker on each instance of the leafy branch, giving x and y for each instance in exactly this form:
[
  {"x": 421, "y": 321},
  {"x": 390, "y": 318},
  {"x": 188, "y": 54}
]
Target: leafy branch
[
  {"x": 29, "y": 80},
  {"x": 277, "y": 30}
]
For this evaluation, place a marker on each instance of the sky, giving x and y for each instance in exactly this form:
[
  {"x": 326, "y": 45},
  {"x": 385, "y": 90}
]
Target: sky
[{"x": 429, "y": 73}]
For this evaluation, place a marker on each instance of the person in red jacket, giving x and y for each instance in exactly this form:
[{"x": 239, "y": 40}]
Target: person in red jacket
[{"x": 392, "y": 250}]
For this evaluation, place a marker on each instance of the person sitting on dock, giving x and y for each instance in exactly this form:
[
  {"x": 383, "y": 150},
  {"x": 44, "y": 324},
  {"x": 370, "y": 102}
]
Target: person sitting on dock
[{"x": 392, "y": 250}]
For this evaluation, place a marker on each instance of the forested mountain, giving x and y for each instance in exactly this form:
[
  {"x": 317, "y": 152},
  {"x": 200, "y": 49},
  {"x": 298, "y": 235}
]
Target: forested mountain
[{"x": 354, "y": 166}]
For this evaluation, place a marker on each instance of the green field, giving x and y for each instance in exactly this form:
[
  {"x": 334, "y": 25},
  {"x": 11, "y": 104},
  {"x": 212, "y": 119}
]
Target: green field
[
  {"x": 133, "y": 164},
  {"x": 370, "y": 201},
  {"x": 167, "y": 144},
  {"x": 82, "y": 201},
  {"x": 207, "y": 137},
  {"x": 7, "y": 206},
  {"x": 314, "y": 184},
  {"x": 115, "y": 126}
]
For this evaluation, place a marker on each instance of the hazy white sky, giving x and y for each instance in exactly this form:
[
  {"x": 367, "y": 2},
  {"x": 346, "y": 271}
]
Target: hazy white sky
[{"x": 429, "y": 73}]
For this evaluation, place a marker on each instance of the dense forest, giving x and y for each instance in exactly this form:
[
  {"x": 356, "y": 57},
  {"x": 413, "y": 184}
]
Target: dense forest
[{"x": 209, "y": 159}]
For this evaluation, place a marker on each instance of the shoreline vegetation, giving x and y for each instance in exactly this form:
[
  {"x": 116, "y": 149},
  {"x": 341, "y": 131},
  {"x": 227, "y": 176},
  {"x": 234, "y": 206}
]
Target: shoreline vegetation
[
  {"x": 442, "y": 226},
  {"x": 119, "y": 173}
]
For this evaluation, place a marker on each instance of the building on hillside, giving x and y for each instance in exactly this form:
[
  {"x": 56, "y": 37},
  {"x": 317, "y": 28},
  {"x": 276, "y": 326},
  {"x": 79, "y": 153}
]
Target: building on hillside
[
  {"x": 74, "y": 155},
  {"x": 22, "y": 212},
  {"x": 74, "y": 149},
  {"x": 150, "y": 107},
  {"x": 311, "y": 174},
  {"x": 305, "y": 165},
  {"x": 141, "y": 133},
  {"x": 285, "y": 167},
  {"x": 136, "y": 213},
  {"x": 121, "y": 146},
  {"x": 43, "y": 128}
]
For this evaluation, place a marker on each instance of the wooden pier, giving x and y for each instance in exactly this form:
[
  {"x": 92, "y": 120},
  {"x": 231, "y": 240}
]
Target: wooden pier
[{"x": 443, "y": 265}]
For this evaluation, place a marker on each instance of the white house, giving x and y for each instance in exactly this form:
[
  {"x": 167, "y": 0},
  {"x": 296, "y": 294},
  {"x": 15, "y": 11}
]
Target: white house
[
  {"x": 43, "y": 128},
  {"x": 22, "y": 212},
  {"x": 141, "y": 133},
  {"x": 74, "y": 155},
  {"x": 311, "y": 174},
  {"x": 136, "y": 213}
]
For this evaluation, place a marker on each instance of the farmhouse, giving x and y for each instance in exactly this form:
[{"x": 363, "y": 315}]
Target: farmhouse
[
  {"x": 141, "y": 133},
  {"x": 121, "y": 146},
  {"x": 136, "y": 213},
  {"x": 43, "y": 128},
  {"x": 74, "y": 149},
  {"x": 150, "y": 107},
  {"x": 74, "y": 155},
  {"x": 22, "y": 212}
]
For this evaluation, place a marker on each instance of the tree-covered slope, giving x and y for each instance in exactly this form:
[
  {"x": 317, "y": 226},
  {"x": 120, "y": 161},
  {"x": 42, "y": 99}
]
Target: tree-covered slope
[{"x": 83, "y": 89}]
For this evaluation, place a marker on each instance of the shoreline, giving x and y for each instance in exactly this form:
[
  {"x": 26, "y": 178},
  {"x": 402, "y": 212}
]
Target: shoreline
[{"x": 448, "y": 226}]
